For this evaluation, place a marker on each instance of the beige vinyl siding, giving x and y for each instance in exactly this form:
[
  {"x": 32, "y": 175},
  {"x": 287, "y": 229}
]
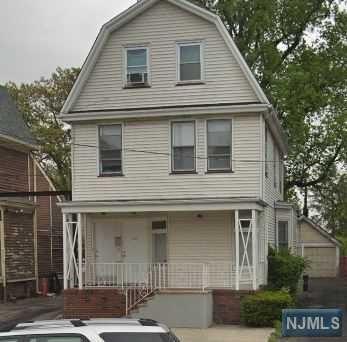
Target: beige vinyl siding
[
  {"x": 323, "y": 261},
  {"x": 310, "y": 235},
  {"x": 147, "y": 175},
  {"x": 160, "y": 28},
  {"x": 206, "y": 239}
]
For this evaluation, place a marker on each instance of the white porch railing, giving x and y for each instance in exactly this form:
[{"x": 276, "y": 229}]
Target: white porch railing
[{"x": 158, "y": 276}]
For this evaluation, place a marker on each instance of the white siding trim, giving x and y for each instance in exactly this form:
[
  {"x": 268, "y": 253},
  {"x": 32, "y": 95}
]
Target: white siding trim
[{"x": 164, "y": 112}]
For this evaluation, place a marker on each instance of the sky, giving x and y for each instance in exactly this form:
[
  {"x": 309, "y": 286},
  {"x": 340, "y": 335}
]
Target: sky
[{"x": 37, "y": 36}]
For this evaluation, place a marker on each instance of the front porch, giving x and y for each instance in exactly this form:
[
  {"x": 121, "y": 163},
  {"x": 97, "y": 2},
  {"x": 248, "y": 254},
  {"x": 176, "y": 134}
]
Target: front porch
[
  {"x": 171, "y": 250},
  {"x": 167, "y": 251}
]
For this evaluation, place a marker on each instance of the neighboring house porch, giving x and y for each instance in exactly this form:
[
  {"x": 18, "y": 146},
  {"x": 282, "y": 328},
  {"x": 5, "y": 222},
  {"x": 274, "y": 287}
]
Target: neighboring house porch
[{"x": 145, "y": 247}]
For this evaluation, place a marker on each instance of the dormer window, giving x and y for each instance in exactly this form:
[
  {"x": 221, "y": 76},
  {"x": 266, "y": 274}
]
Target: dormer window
[
  {"x": 189, "y": 62},
  {"x": 137, "y": 69}
]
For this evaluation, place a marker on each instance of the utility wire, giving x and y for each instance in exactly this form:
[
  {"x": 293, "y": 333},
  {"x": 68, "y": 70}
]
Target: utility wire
[{"x": 170, "y": 154}]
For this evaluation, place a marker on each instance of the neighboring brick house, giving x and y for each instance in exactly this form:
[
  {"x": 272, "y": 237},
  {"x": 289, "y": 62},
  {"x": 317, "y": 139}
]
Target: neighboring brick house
[{"x": 30, "y": 227}]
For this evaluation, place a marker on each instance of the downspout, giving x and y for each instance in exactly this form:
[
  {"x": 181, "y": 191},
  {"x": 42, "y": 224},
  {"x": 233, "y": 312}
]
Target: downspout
[
  {"x": 275, "y": 221},
  {"x": 3, "y": 253},
  {"x": 51, "y": 229},
  {"x": 35, "y": 231}
]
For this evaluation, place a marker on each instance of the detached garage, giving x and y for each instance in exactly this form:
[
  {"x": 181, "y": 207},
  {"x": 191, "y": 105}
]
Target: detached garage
[{"x": 318, "y": 246}]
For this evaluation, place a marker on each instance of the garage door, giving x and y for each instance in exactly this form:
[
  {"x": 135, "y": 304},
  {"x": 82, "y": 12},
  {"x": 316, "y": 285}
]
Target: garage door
[{"x": 323, "y": 261}]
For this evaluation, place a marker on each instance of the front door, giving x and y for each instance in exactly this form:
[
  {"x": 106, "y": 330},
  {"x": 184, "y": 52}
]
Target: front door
[
  {"x": 108, "y": 253},
  {"x": 108, "y": 242},
  {"x": 159, "y": 253}
]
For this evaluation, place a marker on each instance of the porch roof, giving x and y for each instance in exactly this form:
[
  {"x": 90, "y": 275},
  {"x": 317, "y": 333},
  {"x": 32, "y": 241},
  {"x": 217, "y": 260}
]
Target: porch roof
[{"x": 164, "y": 205}]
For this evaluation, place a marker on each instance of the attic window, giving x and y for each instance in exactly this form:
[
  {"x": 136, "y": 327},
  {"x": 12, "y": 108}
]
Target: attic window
[
  {"x": 137, "y": 66},
  {"x": 189, "y": 62}
]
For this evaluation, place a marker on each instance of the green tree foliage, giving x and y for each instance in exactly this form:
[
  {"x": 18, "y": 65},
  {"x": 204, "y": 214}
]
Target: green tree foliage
[
  {"x": 41, "y": 102},
  {"x": 285, "y": 270},
  {"x": 330, "y": 201},
  {"x": 297, "y": 50}
]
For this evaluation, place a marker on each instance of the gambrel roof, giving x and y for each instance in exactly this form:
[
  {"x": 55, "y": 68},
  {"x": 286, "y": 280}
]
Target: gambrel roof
[{"x": 136, "y": 10}]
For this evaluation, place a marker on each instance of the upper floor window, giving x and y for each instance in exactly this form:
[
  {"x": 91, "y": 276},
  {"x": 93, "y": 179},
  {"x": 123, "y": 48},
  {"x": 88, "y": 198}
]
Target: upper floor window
[
  {"x": 183, "y": 146},
  {"x": 280, "y": 173},
  {"x": 219, "y": 138},
  {"x": 137, "y": 69},
  {"x": 266, "y": 152},
  {"x": 282, "y": 234},
  {"x": 110, "y": 149},
  {"x": 275, "y": 165},
  {"x": 189, "y": 62}
]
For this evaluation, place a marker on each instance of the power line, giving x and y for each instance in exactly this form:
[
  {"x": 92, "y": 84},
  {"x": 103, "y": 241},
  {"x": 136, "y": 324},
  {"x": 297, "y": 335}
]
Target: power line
[{"x": 170, "y": 154}]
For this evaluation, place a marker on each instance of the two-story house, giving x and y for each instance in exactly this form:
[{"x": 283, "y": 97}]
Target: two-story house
[
  {"x": 177, "y": 173},
  {"x": 31, "y": 233}
]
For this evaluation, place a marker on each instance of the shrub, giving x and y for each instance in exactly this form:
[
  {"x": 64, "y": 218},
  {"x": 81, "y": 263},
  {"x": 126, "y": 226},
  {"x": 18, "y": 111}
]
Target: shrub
[
  {"x": 264, "y": 308},
  {"x": 285, "y": 270},
  {"x": 275, "y": 336}
]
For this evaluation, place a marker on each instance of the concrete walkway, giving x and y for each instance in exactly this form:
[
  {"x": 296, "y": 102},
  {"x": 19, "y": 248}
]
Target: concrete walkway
[
  {"x": 38, "y": 308},
  {"x": 224, "y": 333}
]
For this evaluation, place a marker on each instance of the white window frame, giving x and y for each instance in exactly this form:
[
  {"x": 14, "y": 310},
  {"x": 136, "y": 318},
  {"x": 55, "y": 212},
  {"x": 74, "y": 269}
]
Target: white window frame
[
  {"x": 278, "y": 234},
  {"x": 125, "y": 67},
  {"x": 178, "y": 58},
  {"x": 275, "y": 166},
  {"x": 230, "y": 169},
  {"x": 172, "y": 170},
  {"x": 280, "y": 173},
  {"x": 99, "y": 171},
  {"x": 266, "y": 152}
]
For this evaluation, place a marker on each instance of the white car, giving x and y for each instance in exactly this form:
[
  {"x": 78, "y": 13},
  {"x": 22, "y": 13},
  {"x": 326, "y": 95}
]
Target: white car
[{"x": 94, "y": 330}]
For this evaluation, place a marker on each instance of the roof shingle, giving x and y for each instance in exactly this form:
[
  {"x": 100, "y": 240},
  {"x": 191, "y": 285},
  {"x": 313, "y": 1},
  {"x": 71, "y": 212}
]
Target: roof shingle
[{"x": 11, "y": 120}]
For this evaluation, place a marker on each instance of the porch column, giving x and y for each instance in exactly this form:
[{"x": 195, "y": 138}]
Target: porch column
[
  {"x": 72, "y": 256},
  {"x": 237, "y": 256},
  {"x": 79, "y": 249},
  {"x": 254, "y": 250},
  {"x": 65, "y": 251}
]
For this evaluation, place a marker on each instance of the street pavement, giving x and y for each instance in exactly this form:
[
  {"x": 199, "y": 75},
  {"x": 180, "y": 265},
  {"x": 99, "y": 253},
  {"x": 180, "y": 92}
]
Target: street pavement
[
  {"x": 224, "y": 333},
  {"x": 37, "y": 308},
  {"x": 324, "y": 293}
]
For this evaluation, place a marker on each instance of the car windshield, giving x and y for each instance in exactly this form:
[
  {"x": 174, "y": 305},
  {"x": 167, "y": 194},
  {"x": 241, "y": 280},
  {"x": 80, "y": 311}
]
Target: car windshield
[{"x": 138, "y": 337}]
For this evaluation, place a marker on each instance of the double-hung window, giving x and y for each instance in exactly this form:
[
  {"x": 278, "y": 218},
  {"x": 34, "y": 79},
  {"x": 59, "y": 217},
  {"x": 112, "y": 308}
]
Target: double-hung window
[
  {"x": 110, "y": 149},
  {"x": 190, "y": 62},
  {"x": 282, "y": 234},
  {"x": 275, "y": 166},
  {"x": 219, "y": 144},
  {"x": 183, "y": 146},
  {"x": 266, "y": 152},
  {"x": 137, "y": 69}
]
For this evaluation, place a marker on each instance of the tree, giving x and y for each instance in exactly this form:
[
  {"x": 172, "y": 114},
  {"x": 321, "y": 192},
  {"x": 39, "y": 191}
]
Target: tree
[
  {"x": 41, "y": 102},
  {"x": 298, "y": 52},
  {"x": 330, "y": 201}
]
